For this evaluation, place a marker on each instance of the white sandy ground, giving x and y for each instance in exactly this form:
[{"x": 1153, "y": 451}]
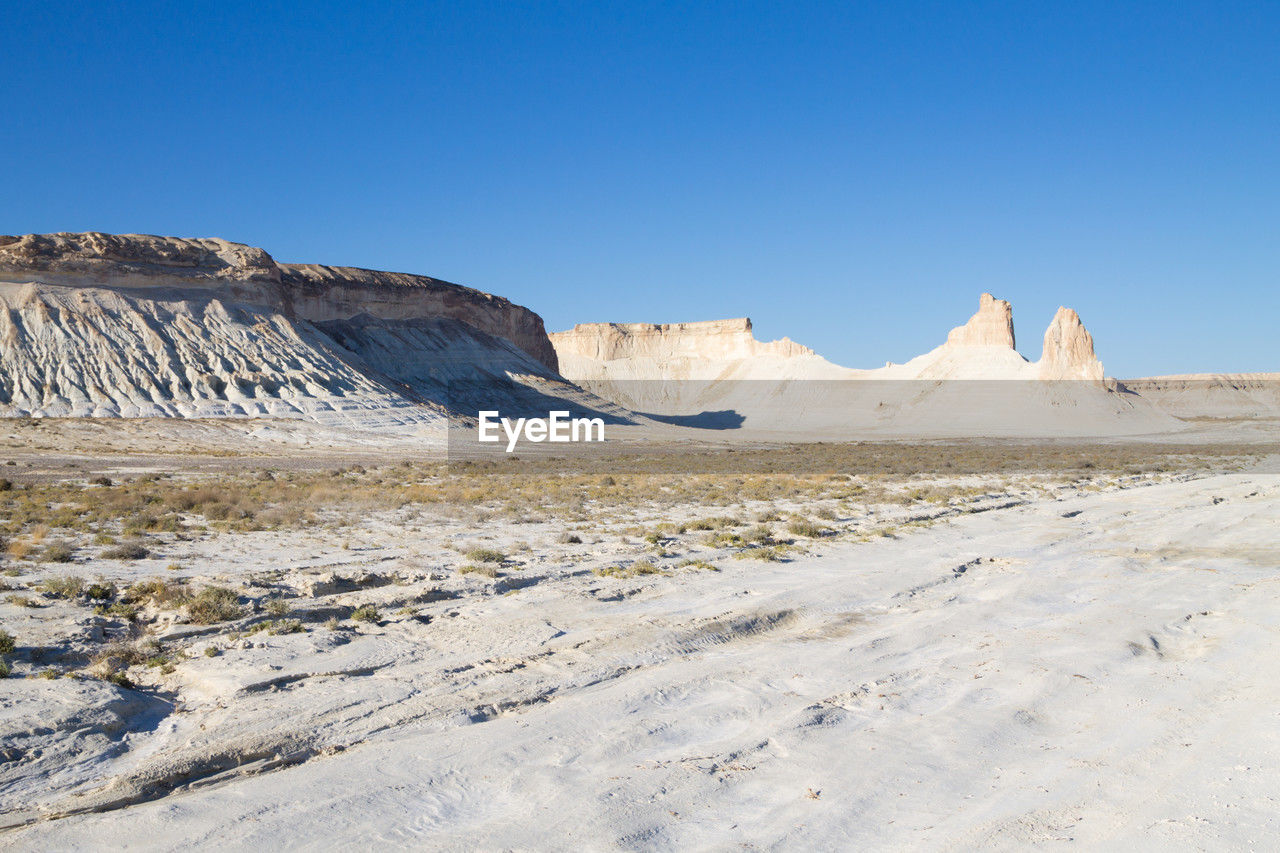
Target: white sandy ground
[{"x": 1101, "y": 668}]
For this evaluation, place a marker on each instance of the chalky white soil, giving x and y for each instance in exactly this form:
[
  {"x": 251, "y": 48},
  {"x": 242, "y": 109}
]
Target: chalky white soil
[{"x": 1102, "y": 667}]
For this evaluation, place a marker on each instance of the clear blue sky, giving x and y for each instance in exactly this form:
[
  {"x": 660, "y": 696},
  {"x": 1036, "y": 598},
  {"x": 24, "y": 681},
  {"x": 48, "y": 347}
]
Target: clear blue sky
[{"x": 851, "y": 175}]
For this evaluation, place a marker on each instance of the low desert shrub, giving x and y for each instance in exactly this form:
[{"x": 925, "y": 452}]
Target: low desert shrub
[
  {"x": 766, "y": 553},
  {"x": 641, "y": 567},
  {"x": 20, "y": 550},
  {"x": 7, "y": 643},
  {"x": 58, "y": 551},
  {"x": 366, "y": 613},
  {"x": 127, "y": 551},
  {"x": 723, "y": 539},
  {"x": 485, "y": 555},
  {"x": 805, "y": 528},
  {"x": 214, "y": 604},
  {"x": 279, "y": 626},
  {"x": 67, "y": 586},
  {"x": 488, "y": 571}
]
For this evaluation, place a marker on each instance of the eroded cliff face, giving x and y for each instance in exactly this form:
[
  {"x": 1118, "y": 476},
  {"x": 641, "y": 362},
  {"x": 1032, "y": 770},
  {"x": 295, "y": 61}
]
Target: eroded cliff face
[
  {"x": 992, "y": 326},
  {"x": 240, "y": 273},
  {"x": 133, "y": 325},
  {"x": 715, "y": 375},
  {"x": 1068, "y": 350},
  {"x": 985, "y": 348},
  {"x": 982, "y": 348},
  {"x": 720, "y": 340},
  {"x": 321, "y": 294}
]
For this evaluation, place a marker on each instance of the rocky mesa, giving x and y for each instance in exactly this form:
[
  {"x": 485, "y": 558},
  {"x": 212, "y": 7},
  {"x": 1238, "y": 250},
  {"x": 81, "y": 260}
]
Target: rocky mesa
[
  {"x": 983, "y": 348},
  {"x": 135, "y": 325}
]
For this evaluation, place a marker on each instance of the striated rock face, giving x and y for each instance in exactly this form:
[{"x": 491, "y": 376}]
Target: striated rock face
[
  {"x": 321, "y": 293},
  {"x": 983, "y": 348},
  {"x": 719, "y": 340},
  {"x": 250, "y": 275},
  {"x": 132, "y": 260},
  {"x": 134, "y": 325},
  {"x": 1068, "y": 350},
  {"x": 992, "y": 326}
]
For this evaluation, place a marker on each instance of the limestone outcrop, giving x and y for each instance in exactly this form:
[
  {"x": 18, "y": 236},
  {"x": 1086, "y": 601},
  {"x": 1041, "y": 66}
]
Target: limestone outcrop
[
  {"x": 712, "y": 339},
  {"x": 240, "y": 273},
  {"x": 992, "y": 326},
  {"x": 716, "y": 375},
  {"x": 982, "y": 348},
  {"x": 134, "y": 325},
  {"x": 1068, "y": 350}
]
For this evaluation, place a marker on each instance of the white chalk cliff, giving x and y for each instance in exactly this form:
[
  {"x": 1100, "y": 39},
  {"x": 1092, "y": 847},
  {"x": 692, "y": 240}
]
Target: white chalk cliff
[
  {"x": 713, "y": 349},
  {"x": 983, "y": 348},
  {"x": 717, "y": 374},
  {"x": 136, "y": 325}
]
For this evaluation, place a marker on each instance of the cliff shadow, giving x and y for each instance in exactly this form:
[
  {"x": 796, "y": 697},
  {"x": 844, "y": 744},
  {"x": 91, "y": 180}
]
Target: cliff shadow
[{"x": 719, "y": 420}]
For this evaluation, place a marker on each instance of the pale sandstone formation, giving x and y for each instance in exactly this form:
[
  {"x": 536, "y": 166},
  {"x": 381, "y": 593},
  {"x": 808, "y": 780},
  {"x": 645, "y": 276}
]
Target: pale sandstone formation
[
  {"x": 248, "y": 274},
  {"x": 1068, "y": 350},
  {"x": 983, "y": 348},
  {"x": 992, "y": 326},
  {"x": 134, "y": 325},
  {"x": 710, "y": 339},
  {"x": 716, "y": 375},
  {"x": 1219, "y": 396}
]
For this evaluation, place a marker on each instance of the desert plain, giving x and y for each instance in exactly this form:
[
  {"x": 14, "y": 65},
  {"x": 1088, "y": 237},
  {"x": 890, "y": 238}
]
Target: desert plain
[
  {"x": 870, "y": 645},
  {"x": 259, "y": 587}
]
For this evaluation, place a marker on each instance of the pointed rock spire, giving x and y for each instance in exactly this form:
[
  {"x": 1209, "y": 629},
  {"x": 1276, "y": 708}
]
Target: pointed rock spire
[
  {"x": 992, "y": 326},
  {"x": 1068, "y": 349}
]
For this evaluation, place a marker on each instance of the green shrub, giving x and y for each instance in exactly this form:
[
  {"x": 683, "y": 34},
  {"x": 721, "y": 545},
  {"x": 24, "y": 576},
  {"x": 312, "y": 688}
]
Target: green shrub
[
  {"x": 58, "y": 551},
  {"x": 125, "y": 611},
  {"x": 127, "y": 551},
  {"x": 214, "y": 604},
  {"x": 7, "y": 643},
  {"x": 642, "y": 567},
  {"x": 279, "y": 626},
  {"x": 67, "y": 586},
  {"x": 723, "y": 538},
  {"x": 366, "y": 613},
  {"x": 767, "y": 553},
  {"x": 488, "y": 571},
  {"x": 801, "y": 527},
  {"x": 485, "y": 555}
]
